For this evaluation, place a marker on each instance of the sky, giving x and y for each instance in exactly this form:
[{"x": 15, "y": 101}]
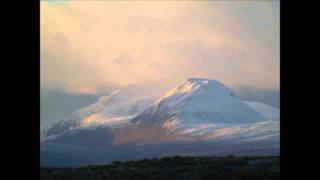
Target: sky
[{"x": 90, "y": 46}]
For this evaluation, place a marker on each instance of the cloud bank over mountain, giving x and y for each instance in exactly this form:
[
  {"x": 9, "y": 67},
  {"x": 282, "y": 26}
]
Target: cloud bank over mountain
[{"x": 89, "y": 46}]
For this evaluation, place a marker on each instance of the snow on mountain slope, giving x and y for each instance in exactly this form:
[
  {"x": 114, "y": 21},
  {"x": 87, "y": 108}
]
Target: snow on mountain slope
[
  {"x": 261, "y": 131},
  {"x": 115, "y": 109},
  {"x": 197, "y": 109},
  {"x": 198, "y": 113},
  {"x": 195, "y": 104},
  {"x": 198, "y": 101},
  {"x": 267, "y": 111}
]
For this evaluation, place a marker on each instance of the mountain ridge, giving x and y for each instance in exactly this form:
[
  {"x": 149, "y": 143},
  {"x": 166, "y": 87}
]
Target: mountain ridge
[{"x": 196, "y": 111}]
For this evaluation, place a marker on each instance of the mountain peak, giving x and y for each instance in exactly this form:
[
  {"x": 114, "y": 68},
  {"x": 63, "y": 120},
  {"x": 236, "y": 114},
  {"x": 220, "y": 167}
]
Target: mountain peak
[
  {"x": 198, "y": 80},
  {"x": 197, "y": 101},
  {"x": 203, "y": 81},
  {"x": 197, "y": 85}
]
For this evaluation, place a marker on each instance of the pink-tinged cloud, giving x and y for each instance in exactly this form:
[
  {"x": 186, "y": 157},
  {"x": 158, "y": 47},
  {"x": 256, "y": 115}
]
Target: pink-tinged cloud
[{"x": 86, "y": 45}]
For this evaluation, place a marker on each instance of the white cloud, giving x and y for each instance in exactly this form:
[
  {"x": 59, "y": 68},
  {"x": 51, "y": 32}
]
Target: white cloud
[{"x": 88, "y": 45}]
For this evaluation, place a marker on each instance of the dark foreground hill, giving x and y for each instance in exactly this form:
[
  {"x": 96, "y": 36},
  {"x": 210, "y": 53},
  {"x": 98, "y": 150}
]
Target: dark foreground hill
[{"x": 174, "y": 168}]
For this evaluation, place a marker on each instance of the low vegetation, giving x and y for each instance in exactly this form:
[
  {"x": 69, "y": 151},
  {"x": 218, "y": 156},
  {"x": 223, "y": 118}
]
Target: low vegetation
[{"x": 174, "y": 168}]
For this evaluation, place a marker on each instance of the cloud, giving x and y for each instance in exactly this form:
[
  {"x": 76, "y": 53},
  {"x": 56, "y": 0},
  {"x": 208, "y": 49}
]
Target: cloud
[{"x": 86, "y": 46}]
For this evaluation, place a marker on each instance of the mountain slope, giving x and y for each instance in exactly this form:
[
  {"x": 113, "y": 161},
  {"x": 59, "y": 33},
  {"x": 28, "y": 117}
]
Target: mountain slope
[
  {"x": 194, "y": 104},
  {"x": 267, "y": 111},
  {"x": 199, "y": 116},
  {"x": 108, "y": 111},
  {"x": 199, "y": 101}
]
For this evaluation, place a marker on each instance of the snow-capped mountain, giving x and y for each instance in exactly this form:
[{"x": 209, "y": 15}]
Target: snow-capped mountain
[
  {"x": 196, "y": 106},
  {"x": 199, "y": 101},
  {"x": 112, "y": 110},
  {"x": 197, "y": 111}
]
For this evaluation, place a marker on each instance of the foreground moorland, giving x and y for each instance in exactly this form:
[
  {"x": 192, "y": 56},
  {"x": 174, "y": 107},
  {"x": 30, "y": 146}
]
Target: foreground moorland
[{"x": 174, "y": 168}]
